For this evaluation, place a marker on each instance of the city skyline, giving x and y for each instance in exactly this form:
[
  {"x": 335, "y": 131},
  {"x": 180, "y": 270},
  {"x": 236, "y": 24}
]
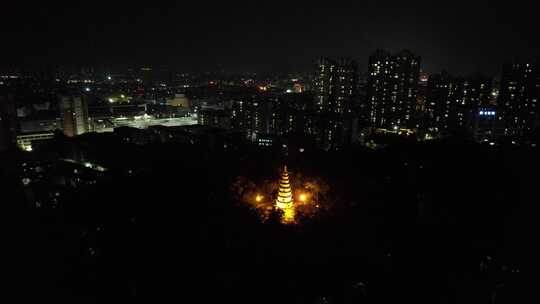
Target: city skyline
[{"x": 270, "y": 152}]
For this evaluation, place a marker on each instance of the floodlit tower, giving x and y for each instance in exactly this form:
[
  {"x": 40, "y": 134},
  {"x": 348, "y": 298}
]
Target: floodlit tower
[{"x": 284, "y": 199}]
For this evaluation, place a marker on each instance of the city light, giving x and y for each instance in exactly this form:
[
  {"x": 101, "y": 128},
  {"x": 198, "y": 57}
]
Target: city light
[
  {"x": 87, "y": 89},
  {"x": 302, "y": 197},
  {"x": 487, "y": 113},
  {"x": 109, "y": 78},
  {"x": 259, "y": 198}
]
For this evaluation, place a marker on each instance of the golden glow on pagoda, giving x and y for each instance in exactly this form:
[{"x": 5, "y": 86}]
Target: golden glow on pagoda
[{"x": 284, "y": 200}]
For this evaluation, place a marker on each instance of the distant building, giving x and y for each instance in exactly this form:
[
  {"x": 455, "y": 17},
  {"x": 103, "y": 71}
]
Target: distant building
[
  {"x": 214, "y": 118},
  {"x": 335, "y": 85},
  {"x": 28, "y": 141},
  {"x": 451, "y": 102},
  {"x": 322, "y": 86},
  {"x": 147, "y": 75},
  {"x": 39, "y": 125},
  {"x": 178, "y": 135},
  {"x": 8, "y": 123},
  {"x": 265, "y": 141},
  {"x": 519, "y": 97},
  {"x": 253, "y": 117},
  {"x": 204, "y": 136},
  {"x": 179, "y": 100},
  {"x": 128, "y": 110},
  {"x": 287, "y": 120},
  {"x": 74, "y": 115},
  {"x": 392, "y": 89},
  {"x": 485, "y": 125},
  {"x": 475, "y": 91},
  {"x": 421, "y": 95},
  {"x": 441, "y": 100},
  {"x": 335, "y": 131},
  {"x": 363, "y": 108},
  {"x": 132, "y": 135}
]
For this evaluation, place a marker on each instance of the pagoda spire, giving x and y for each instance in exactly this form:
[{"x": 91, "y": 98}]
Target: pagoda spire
[{"x": 284, "y": 199}]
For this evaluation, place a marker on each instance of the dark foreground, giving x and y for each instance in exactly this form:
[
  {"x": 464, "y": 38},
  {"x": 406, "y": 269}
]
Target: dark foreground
[{"x": 422, "y": 223}]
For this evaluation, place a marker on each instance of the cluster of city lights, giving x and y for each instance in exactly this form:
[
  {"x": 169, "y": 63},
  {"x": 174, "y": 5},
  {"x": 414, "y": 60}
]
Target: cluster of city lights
[{"x": 487, "y": 113}]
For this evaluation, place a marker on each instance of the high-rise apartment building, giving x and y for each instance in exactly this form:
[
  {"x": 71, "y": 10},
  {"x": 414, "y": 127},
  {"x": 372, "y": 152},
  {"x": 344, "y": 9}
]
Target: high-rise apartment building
[
  {"x": 452, "y": 102},
  {"x": 335, "y": 85},
  {"x": 392, "y": 89},
  {"x": 252, "y": 116},
  {"x": 519, "y": 97}
]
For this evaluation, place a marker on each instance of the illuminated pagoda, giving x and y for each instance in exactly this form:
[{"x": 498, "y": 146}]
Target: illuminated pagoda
[{"x": 284, "y": 199}]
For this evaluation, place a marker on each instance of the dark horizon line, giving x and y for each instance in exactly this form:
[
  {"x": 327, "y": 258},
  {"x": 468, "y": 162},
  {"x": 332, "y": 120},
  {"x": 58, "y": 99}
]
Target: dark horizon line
[{"x": 33, "y": 67}]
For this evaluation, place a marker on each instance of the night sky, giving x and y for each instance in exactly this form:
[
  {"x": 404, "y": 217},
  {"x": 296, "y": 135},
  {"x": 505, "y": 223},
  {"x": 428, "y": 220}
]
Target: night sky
[{"x": 462, "y": 37}]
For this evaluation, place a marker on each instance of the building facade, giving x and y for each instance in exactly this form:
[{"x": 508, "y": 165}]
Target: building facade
[
  {"x": 74, "y": 115},
  {"x": 452, "y": 102},
  {"x": 217, "y": 118},
  {"x": 519, "y": 96},
  {"x": 485, "y": 126},
  {"x": 27, "y": 141},
  {"x": 335, "y": 85},
  {"x": 252, "y": 116},
  {"x": 392, "y": 89}
]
